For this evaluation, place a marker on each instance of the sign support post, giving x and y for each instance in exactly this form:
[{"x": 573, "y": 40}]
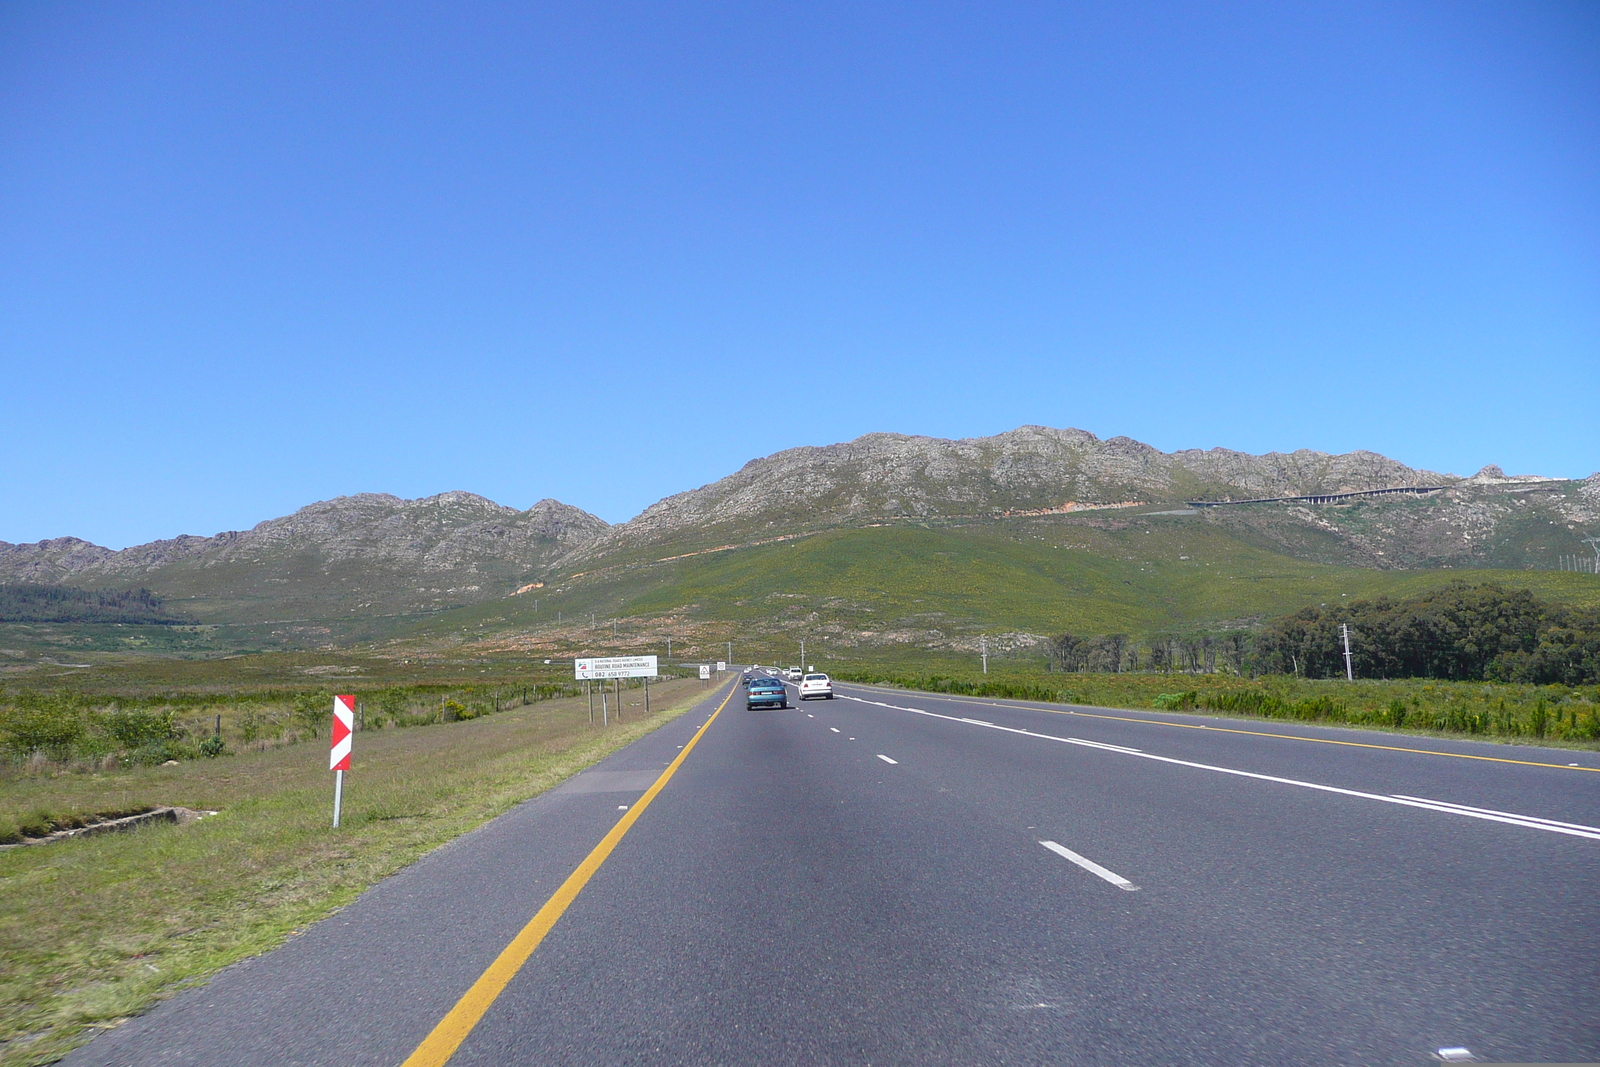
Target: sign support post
[{"x": 344, "y": 716}]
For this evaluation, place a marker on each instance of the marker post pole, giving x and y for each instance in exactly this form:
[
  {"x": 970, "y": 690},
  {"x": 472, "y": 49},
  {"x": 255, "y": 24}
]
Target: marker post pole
[{"x": 344, "y": 717}]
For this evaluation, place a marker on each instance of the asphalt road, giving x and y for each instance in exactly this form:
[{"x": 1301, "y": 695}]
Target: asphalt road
[{"x": 896, "y": 878}]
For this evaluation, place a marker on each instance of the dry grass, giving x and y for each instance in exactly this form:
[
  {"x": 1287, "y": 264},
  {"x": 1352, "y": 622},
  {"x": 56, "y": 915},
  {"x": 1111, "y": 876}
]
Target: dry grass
[{"x": 94, "y": 929}]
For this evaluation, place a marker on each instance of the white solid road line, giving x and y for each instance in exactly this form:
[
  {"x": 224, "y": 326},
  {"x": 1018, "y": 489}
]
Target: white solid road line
[
  {"x": 1535, "y": 821},
  {"x": 886, "y": 759},
  {"x": 1090, "y": 865},
  {"x": 1531, "y": 822}
]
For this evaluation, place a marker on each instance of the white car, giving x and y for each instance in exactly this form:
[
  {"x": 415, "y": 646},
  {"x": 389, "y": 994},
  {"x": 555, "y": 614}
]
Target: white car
[
  {"x": 816, "y": 685},
  {"x": 792, "y": 674}
]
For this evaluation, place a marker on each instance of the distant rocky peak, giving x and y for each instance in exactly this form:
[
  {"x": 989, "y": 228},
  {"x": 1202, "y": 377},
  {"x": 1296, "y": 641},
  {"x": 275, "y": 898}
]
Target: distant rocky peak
[{"x": 1494, "y": 475}]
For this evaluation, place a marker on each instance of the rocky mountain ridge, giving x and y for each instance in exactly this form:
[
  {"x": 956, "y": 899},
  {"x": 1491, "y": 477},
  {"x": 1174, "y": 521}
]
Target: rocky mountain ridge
[
  {"x": 374, "y": 555},
  {"x": 371, "y": 552},
  {"x": 891, "y": 477}
]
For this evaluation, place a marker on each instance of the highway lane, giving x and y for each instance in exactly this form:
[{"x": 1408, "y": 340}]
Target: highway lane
[
  {"x": 850, "y": 882},
  {"x": 1487, "y": 930}
]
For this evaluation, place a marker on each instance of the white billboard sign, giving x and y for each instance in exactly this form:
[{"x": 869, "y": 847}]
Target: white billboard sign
[{"x": 615, "y": 667}]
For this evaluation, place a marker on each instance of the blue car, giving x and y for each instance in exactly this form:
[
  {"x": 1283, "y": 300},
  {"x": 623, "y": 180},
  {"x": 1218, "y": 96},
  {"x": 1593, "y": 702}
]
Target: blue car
[{"x": 765, "y": 693}]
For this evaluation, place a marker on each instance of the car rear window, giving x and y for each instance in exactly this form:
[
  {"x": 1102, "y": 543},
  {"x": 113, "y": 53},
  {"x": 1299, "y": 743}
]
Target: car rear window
[{"x": 816, "y": 677}]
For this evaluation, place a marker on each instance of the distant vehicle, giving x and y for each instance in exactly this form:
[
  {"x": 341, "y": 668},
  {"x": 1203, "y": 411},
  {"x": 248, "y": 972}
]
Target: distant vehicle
[
  {"x": 765, "y": 693},
  {"x": 793, "y": 674},
  {"x": 816, "y": 685}
]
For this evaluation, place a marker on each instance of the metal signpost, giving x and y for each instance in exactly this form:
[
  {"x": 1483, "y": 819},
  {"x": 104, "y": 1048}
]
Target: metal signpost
[
  {"x": 615, "y": 668},
  {"x": 344, "y": 715}
]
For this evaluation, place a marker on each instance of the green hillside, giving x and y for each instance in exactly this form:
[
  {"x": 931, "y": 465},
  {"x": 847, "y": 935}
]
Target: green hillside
[{"x": 1138, "y": 575}]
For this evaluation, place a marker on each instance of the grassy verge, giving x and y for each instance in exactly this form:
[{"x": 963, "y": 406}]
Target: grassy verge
[
  {"x": 95, "y": 929},
  {"x": 1546, "y": 715}
]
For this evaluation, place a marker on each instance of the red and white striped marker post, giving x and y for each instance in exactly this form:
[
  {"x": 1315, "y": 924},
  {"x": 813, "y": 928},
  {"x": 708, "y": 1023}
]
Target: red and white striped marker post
[{"x": 344, "y": 717}]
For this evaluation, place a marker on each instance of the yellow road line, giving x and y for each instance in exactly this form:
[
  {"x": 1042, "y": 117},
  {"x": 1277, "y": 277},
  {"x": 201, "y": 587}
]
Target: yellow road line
[
  {"x": 1253, "y": 733},
  {"x": 441, "y": 1044}
]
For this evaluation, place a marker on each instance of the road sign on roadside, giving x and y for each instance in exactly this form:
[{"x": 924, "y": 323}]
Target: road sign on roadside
[
  {"x": 722, "y": 665},
  {"x": 344, "y": 717},
  {"x": 705, "y": 672},
  {"x": 615, "y": 667},
  {"x": 344, "y": 720}
]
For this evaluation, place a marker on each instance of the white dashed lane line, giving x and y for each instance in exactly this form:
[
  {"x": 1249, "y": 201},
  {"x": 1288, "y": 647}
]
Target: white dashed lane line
[
  {"x": 1090, "y": 865},
  {"x": 886, "y": 759},
  {"x": 835, "y": 729}
]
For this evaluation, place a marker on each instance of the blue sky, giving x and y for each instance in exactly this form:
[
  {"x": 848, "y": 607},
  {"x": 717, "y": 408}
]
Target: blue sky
[{"x": 257, "y": 255}]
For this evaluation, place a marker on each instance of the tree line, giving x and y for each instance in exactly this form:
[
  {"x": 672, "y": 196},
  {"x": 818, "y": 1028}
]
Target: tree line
[
  {"x": 27, "y": 602},
  {"x": 1196, "y": 652},
  {"x": 1462, "y": 632}
]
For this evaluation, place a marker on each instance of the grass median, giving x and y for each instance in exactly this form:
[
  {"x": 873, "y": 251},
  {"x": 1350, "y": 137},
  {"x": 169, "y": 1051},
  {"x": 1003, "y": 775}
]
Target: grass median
[{"x": 95, "y": 929}]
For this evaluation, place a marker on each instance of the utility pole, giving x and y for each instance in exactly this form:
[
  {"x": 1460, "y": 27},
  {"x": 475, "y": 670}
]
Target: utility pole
[
  {"x": 730, "y": 653},
  {"x": 802, "y": 655},
  {"x": 983, "y": 647},
  {"x": 669, "y": 649},
  {"x": 1349, "y": 671}
]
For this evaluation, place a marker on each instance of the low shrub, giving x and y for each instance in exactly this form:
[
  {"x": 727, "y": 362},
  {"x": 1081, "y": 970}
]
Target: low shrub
[
  {"x": 50, "y": 726},
  {"x": 136, "y": 728}
]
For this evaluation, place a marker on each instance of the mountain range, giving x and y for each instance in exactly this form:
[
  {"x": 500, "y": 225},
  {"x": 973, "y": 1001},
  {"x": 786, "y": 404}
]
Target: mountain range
[{"x": 342, "y": 567}]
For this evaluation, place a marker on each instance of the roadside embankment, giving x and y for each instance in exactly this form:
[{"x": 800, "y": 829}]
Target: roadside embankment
[
  {"x": 1545, "y": 715},
  {"x": 94, "y": 928}
]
